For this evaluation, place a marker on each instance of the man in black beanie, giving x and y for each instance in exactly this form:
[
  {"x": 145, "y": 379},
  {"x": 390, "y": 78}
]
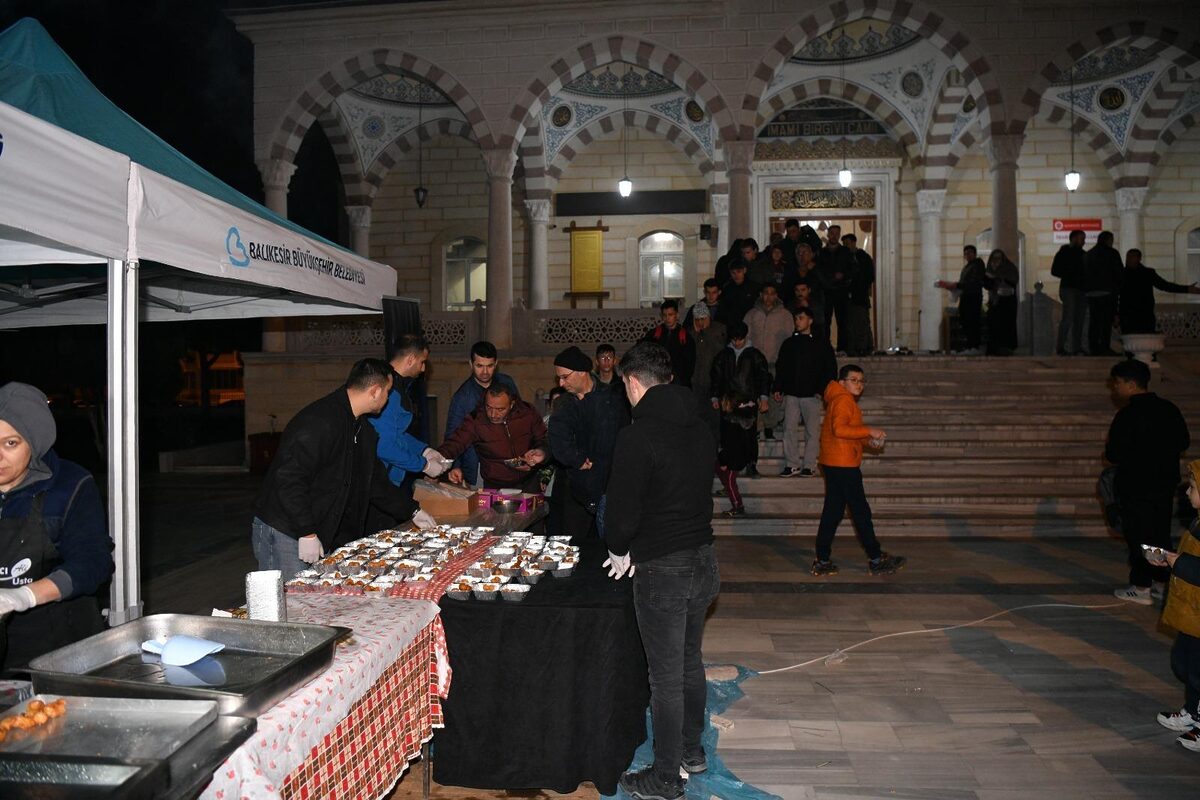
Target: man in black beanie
[{"x": 583, "y": 432}]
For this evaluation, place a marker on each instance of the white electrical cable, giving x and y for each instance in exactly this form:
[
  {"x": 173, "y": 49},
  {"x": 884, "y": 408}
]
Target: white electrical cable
[{"x": 839, "y": 655}]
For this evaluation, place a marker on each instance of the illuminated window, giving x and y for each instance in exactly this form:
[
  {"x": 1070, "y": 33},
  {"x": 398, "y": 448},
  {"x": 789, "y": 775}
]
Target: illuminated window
[
  {"x": 466, "y": 273},
  {"x": 661, "y": 255}
]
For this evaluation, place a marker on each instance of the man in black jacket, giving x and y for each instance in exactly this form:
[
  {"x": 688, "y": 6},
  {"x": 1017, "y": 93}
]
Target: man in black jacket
[
  {"x": 862, "y": 282},
  {"x": 805, "y": 367},
  {"x": 835, "y": 266},
  {"x": 1068, "y": 268},
  {"x": 738, "y": 296},
  {"x": 1145, "y": 441},
  {"x": 659, "y": 530},
  {"x": 324, "y": 478},
  {"x": 1136, "y": 302},
  {"x": 1101, "y": 283},
  {"x": 677, "y": 339}
]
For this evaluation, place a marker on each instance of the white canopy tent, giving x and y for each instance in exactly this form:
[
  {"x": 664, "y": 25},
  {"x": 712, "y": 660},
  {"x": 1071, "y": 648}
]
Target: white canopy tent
[{"x": 72, "y": 207}]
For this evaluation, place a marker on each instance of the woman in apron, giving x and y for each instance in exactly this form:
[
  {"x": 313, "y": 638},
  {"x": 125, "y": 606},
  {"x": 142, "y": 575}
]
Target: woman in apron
[{"x": 55, "y": 552}]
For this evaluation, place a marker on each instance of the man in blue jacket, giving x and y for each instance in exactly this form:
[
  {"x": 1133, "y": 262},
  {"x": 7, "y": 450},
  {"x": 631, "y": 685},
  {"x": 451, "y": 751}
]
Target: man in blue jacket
[
  {"x": 469, "y": 396},
  {"x": 399, "y": 450}
]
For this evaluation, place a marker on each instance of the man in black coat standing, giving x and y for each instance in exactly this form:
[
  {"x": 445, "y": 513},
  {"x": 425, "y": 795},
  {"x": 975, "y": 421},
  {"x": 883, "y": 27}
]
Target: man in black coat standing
[
  {"x": 1068, "y": 268},
  {"x": 659, "y": 531},
  {"x": 677, "y": 340},
  {"x": 1136, "y": 303},
  {"x": 325, "y": 477},
  {"x": 1102, "y": 282},
  {"x": 738, "y": 296},
  {"x": 1145, "y": 442},
  {"x": 805, "y": 367}
]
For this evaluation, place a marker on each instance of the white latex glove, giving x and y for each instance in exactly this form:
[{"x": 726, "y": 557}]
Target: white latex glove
[
  {"x": 311, "y": 548},
  {"x": 18, "y": 599},
  {"x": 618, "y": 566},
  {"x": 423, "y": 520},
  {"x": 435, "y": 462}
]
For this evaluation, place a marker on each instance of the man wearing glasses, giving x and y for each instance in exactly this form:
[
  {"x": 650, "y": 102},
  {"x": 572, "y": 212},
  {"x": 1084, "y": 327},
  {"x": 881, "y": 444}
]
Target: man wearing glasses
[{"x": 843, "y": 435}]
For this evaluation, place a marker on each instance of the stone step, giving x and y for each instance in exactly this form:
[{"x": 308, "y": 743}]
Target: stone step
[
  {"x": 1032, "y": 506},
  {"x": 917, "y": 485},
  {"x": 923, "y": 527}
]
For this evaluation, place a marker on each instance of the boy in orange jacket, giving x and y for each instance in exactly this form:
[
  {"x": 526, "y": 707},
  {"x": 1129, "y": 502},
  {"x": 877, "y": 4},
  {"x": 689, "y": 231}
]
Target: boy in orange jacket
[{"x": 843, "y": 435}]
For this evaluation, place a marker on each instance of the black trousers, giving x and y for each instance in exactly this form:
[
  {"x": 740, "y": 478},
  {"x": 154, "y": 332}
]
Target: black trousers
[
  {"x": 1002, "y": 326},
  {"x": 844, "y": 487},
  {"x": 1185, "y": 663},
  {"x": 1146, "y": 521},
  {"x": 671, "y": 595},
  {"x": 970, "y": 319},
  {"x": 1101, "y": 311},
  {"x": 839, "y": 310},
  {"x": 578, "y": 521}
]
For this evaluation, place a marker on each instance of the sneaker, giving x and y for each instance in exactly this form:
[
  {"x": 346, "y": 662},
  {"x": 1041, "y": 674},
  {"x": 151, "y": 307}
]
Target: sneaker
[
  {"x": 1180, "y": 720},
  {"x": 788, "y": 472},
  {"x": 751, "y": 471},
  {"x": 720, "y": 493},
  {"x": 822, "y": 568},
  {"x": 1191, "y": 740},
  {"x": 644, "y": 784},
  {"x": 886, "y": 564},
  {"x": 736, "y": 511},
  {"x": 1135, "y": 594},
  {"x": 807, "y": 473},
  {"x": 694, "y": 765}
]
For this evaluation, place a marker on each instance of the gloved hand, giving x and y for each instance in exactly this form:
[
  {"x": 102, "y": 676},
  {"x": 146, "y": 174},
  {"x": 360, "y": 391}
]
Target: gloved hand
[
  {"x": 423, "y": 520},
  {"x": 435, "y": 462},
  {"x": 311, "y": 548},
  {"x": 18, "y": 599},
  {"x": 618, "y": 566}
]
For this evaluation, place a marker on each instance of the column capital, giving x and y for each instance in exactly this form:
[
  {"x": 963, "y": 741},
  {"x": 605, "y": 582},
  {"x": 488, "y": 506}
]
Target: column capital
[
  {"x": 1003, "y": 149},
  {"x": 1131, "y": 198},
  {"x": 930, "y": 202},
  {"x": 739, "y": 155},
  {"x": 538, "y": 211},
  {"x": 276, "y": 172},
  {"x": 360, "y": 216},
  {"x": 720, "y": 205},
  {"x": 499, "y": 164}
]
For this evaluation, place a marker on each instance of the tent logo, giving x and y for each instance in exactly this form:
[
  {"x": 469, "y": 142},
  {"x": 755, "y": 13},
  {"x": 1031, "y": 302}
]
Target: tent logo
[{"x": 238, "y": 256}]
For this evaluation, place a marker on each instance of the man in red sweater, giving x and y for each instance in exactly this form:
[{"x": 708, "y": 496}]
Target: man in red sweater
[{"x": 509, "y": 437}]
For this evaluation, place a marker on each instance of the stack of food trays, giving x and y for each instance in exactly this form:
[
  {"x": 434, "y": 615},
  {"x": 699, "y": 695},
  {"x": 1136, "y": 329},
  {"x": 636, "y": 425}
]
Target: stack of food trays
[
  {"x": 375, "y": 564},
  {"x": 513, "y": 565}
]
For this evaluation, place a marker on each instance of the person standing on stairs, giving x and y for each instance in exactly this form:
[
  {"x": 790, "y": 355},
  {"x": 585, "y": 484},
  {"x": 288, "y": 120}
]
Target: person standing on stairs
[
  {"x": 805, "y": 367},
  {"x": 739, "y": 384},
  {"x": 769, "y": 325},
  {"x": 1146, "y": 439},
  {"x": 843, "y": 435}
]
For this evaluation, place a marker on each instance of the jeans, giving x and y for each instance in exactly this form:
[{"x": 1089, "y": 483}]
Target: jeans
[
  {"x": 671, "y": 595},
  {"x": 795, "y": 410},
  {"x": 603, "y": 504},
  {"x": 274, "y": 549},
  {"x": 844, "y": 487},
  {"x": 1070, "y": 329},
  {"x": 1146, "y": 521},
  {"x": 1185, "y": 663}
]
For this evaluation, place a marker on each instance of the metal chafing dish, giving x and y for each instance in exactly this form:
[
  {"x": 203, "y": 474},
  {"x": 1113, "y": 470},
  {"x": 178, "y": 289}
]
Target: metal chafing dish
[{"x": 262, "y": 662}]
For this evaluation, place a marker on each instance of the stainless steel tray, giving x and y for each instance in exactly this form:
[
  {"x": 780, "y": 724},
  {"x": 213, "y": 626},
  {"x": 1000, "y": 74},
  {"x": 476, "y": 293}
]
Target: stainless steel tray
[
  {"x": 112, "y": 726},
  {"x": 43, "y": 777},
  {"x": 262, "y": 662}
]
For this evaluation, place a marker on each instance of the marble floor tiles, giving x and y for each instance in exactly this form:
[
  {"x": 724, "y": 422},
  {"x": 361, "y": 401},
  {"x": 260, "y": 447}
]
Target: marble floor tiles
[{"x": 1042, "y": 703}]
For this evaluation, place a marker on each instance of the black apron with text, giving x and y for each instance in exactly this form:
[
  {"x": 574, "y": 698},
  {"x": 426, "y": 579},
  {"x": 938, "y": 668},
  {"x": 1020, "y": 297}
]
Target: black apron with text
[{"x": 27, "y": 554}]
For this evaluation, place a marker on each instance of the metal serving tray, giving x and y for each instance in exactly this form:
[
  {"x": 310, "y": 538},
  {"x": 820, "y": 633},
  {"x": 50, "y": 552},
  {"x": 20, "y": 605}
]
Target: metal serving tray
[
  {"x": 43, "y": 777},
  {"x": 262, "y": 662}
]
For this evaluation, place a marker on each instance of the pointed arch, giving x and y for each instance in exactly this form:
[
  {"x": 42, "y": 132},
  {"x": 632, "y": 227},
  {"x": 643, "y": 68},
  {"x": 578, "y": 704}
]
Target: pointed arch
[
  {"x": 607, "y": 50},
  {"x": 320, "y": 94},
  {"x": 346, "y": 154},
  {"x": 399, "y": 147},
  {"x": 940, "y": 155}
]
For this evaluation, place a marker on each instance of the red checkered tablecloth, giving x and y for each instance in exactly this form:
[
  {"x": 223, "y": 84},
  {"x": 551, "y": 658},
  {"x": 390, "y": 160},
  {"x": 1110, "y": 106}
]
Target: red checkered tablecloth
[{"x": 351, "y": 731}]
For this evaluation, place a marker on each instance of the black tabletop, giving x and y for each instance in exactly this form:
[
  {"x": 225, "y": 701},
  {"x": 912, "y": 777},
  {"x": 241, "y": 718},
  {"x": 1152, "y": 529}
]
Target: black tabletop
[{"x": 546, "y": 693}]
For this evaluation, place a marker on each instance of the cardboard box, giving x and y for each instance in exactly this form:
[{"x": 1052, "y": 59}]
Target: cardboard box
[{"x": 444, "y": 499}]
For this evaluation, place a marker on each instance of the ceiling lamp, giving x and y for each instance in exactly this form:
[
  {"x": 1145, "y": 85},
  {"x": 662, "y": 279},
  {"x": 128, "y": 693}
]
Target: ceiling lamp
[
  {"x": 845, "y": 176},
  {"x": 420, "y": 193},
  {"x": 625, "y": 186},
  {"x": 1071, "y": 179}
]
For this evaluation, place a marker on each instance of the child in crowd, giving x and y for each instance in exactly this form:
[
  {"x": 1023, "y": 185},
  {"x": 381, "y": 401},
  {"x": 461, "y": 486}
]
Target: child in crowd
[
  {"x": 1182, "y": 613},
  {"x": 740, "y": 382}
]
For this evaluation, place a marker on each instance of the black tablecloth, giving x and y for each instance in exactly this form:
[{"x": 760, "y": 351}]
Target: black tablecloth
[{"x": 549, "y": 692}]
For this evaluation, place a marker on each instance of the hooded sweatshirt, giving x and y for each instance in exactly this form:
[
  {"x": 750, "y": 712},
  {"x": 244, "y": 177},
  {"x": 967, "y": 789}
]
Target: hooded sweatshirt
[
  {"x": 72, "y": 512},
  {"x": 843, "y": 431},
  {"x": 659, "y": 499}
]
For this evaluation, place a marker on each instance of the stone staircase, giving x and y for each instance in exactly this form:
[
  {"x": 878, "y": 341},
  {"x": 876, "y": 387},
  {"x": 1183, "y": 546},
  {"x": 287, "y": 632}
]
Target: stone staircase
[{"x": 1006, "y": 447}]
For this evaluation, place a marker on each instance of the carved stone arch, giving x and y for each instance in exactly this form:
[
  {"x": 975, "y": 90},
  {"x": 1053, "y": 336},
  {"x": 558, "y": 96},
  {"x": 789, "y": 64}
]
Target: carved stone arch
[
  {"x": 940, "y": 157},
  {"x": 320, "y": 94},
  {"x": 1146, "y": 139},
  {"x": 1179, "y": 127},
  {"x": 640, "y": 120},
  {"x": 607, "y": 50},
  {"x": 346, "y": 155},
  {"x": 532, "y": 153},
  {"x": 1089, "y": 135},
  {"x": 1180, "y": 50},
  {"x": 933, "y": 25},
  {"x": 850, "y": 92},
  {"x": 399, "y": 147}
]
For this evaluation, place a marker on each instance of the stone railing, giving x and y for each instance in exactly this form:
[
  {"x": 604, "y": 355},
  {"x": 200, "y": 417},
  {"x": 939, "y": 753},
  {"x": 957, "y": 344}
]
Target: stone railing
[
  {"x": 547, "y": 331},
  {"x": 447, "y": 331},
  {"x": 1179, "y": 322}
]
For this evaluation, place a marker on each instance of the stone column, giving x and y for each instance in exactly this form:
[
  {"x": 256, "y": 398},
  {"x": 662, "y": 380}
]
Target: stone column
[
  {"x": 360, "y": 229},
  {"x": 276, "y": 175},
  {"x": 1130, "y": 201},
  {"x": 539, "y": 265},
  {"x": 1002, "y": 151},
  {"x": 720, "y": 212},
  {"x": 739, "y": 156},
  {"x": 499, "y": 164},
  {"x": 929, "y": 207}
]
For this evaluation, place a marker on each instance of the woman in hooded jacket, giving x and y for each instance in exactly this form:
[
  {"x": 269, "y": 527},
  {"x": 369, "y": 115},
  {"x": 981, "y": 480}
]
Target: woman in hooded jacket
[
  {"x": 55, "y": 551},
  {"x": 1001, "y": 279}
]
